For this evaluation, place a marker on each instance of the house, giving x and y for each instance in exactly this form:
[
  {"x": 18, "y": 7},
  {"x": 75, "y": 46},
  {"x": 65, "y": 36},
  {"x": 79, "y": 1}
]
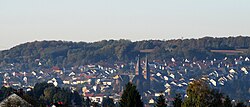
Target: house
[
  {"x": 95, "y": 97},
  {"x": 56, "y": 69},
  {"x": 106, "y": 82},
  {"x": 151, "y": 101},
  {"x": 14, "y": 101}
]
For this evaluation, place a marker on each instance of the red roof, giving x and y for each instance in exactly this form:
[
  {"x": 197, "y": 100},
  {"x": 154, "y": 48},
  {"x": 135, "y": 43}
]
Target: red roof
[
  {"x": 55, "y": 68},
  {"x": 99, "y": 95},
  {"x": 89, "y": 95}
]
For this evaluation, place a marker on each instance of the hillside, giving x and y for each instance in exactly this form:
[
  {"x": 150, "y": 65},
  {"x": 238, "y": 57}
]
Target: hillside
[{"x": 65, "y": 53}]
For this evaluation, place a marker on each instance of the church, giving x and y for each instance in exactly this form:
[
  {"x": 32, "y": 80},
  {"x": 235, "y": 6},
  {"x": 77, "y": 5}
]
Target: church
[{"x": 142, "y": 79}]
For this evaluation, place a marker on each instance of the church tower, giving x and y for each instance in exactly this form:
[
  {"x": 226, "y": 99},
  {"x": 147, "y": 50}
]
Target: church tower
[
  {"x": 138, "y": 79},
  {"x": 138, "y": 70},
  {"x": 147, "y": 70}
]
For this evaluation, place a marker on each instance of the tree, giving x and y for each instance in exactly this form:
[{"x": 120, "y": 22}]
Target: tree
[
  {"x": 108, "y": 102},
  {"x": 177, "y": 101},
  {"x": 72, "y": 53},
  {"x": 40, "y": 87},
  {"x": 87, "y": 102},
  {"x": 196, "y": 92},
  {"x": 227, "y": 102},
  {"x": 199, "y": 94},
  {"x": 95, "y": 104},
  {"x": 31, "y": 100},
  {"x": 77, "y": 98},
  {"x": 130, "y": 97},
  {"x": 240, "y": 104},
  {"x": 215, "y": 98},
  {"x": 49, "y": 93},
  {"x": 60, "y": 97},
  {"x": 161, "y": 101},
  {"x": 5, "y": 92}
]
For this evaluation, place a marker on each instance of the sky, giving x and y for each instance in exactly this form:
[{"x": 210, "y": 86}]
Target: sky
[{"x": 94, "y": 20}]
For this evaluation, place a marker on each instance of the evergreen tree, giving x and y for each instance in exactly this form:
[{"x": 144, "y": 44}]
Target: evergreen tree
[
  {"x": 77, "y": 98},
  {"x": 131, "y": 97},
  {"x": 161, "y": 101},
  {"x": 83, "y": 102},
  {"x": 87, "y": 102},
  {"x": 108, "y": 102},
  {"x": 214, "y": 99},
  {"x": 177, "y": 101}
]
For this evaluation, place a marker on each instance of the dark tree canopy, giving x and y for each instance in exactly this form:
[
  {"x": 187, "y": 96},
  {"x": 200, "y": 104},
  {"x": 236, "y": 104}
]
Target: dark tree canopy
[
  {"x": 177, "y": 100},
  {"x": 77, "y": 98},
  {"x": 227, "y": 102},
  {"x": 45, "y": 94},
  {"x": 240, "y": 104},
  {"x": 63, "y": 53},
  {"x": 131, "y": 97},
  {"x": 87, "y": 102},
  {"x": 108, "y": 102},
  {"x": 161, "y": 101}
]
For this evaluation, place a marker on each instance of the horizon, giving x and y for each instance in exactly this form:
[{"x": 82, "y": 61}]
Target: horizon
[
  {"x": 2, "y": 49},
  {"x": 28, "y": 20}
]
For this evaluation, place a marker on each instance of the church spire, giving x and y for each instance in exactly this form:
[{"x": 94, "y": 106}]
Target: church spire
[
  {"x": 147, "y": 69},
  {"x": 138, "y": 67}
]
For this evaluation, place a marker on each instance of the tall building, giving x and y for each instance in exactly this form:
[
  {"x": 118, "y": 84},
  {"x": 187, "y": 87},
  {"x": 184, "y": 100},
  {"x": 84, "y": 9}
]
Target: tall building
[
  {"x": 138, "y": 69},
  {"x": 147, "y": 70},
  {"x": 138, "y": 79},
  {"x": 142, "y": 82}
]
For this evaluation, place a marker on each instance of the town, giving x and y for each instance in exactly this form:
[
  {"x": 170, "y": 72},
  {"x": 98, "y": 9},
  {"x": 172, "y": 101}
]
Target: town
[{"x": 152, "y": 77}]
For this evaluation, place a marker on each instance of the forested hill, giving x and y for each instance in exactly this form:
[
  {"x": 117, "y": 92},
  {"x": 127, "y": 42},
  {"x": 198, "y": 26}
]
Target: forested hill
[{"x": 64, "y": 53}]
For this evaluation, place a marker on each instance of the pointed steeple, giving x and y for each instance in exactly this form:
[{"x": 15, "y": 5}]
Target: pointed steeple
[
  {"x": 147, "y": 69},
  {"x": 138, "y": 69}
]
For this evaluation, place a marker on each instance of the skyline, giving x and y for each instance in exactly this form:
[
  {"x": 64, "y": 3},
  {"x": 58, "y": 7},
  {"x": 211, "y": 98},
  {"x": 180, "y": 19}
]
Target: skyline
[{"x": 89, "y": 21}]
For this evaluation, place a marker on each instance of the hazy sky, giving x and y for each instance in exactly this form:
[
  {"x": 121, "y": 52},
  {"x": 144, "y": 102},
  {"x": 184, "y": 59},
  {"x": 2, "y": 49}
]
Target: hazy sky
[{"x": 94, "y": 20}]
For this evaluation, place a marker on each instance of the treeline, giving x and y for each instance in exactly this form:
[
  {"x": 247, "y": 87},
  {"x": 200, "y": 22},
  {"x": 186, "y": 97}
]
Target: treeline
[
  {"x": 63, "y": 53},
  {"x": 44, "y": 94},
  {"x": 199, "y": 94}
]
